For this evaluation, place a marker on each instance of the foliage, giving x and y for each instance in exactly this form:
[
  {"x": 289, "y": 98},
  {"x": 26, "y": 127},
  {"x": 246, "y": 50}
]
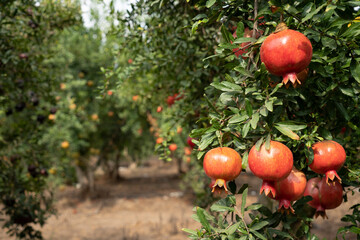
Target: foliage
[{"x": 28, "y": 30}]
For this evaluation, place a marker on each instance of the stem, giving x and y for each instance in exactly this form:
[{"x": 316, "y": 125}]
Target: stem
[
  {"x": 242, "y": 219},
  {"x": 255, "y": 31}
]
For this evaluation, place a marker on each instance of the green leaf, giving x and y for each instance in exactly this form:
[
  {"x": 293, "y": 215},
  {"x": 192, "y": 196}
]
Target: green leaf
[
  {"x": 343, "y": 111},
  {"x": 243, "y": 201},
  {"x": 269, "y": 105},
  {"x": 245, "y": 160},
  {"x": 223, "y": 205},
  {"x": 209, "y": 3},
  {"x": 240, "y": 29},
  {"x": 311, "y": 14},
  {"x": 244, "y": 40},
  {"x": 254, "y": 206},
  {"x": 249, "y": 109},
  {"x": 259, "y": 235},
  {"x": 226, "y": 34},
  {"x": 355, "y": 70},
  {"x": 245, "y": 130},
  {"x": 286, "y": 131},
  {"x": 267, "y": 142},
  {"x": 259, "y": 143},
  {"x": 232, "y": 86},
  {"x": 238, "y": 118},
  {"x": 192, "y": 232},
  {"x": 255, "y": 119},
  {"x": 243, "y": 71},
  {"x": 259, "y": 225},
  {"x": 264, "y": 112},
  {"x": 206, "y": 141},
  {"x": 230, "y": 230},
  {"x": 276, "y": 89},
  {"x": 200, "y": 213},
  {"x": 292, "y": 125},
  {"x": 279, "y": 233}
]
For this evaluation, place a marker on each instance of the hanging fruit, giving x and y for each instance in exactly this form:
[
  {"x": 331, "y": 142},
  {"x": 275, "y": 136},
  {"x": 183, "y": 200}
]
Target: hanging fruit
[
  {"x": 285, "y": 53},
  {"x": 222, "y": 164},
  {"x": 271, "y": 165}
]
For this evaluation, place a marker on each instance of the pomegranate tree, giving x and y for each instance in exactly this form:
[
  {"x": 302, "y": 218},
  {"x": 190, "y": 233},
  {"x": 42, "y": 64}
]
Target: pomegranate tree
[
  {"x": 324, "y": 196},
  {"x": 290, "y": 189},
  {"x": 285, "y": 53},
  {"x": 222, "y": 164},
  {"x": 271, "y": 165},
  {"x": 329, "y": 156}
]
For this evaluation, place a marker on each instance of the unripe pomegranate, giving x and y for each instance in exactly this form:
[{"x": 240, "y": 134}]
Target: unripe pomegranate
[
  {"x": 285, "y": 53},
  {"x": 329, "y": 156},
  {"x": 271, "y": 165},
  {"x": 222, "y": 164},
  {"x": 290, "y": 189},
  {"x": 324, "y": 196},
  {"x": 159, "y": 109}
]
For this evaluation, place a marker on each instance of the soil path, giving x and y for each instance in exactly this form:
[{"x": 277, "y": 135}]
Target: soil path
[{"x": 147, "y": 205}]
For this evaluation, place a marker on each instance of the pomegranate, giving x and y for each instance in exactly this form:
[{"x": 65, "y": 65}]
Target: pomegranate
[
  {"x": 172, "y": 147},
  {"x": 271, "y": 165},
  {"x": 285, "y": 53},
  {"x": 159, "y": 140},
  {"x": 290, "y": 189},
  {"x": 324, "y": 195},
  {"x": 222, "y": 164},
  {"x": 159, "y": 109},
  {"x": 329, "y": 156},
  {"x": 244, "y": 46},
  {"x": 190, "y": 143}
]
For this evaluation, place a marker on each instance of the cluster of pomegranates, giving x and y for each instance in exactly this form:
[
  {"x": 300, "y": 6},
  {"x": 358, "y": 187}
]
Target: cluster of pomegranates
[{"x": 281, "y": 181}]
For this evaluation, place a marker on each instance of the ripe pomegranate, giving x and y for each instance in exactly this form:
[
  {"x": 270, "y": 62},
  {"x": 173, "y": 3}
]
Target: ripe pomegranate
[
  {"x": 271, "y": 165},
  {"x": 329, "y": 156},
  {"x": 222, "y": 164},
  {"x": 170, "y": 100},
  {"x": 190, "y": 143},
  {"x": 159, "y": 140},
  {"x": 290, "y": 189},
  {"x": 244, "y": 46},
  {"x": 285, "y": 53},
  {"x": 159, "y": 109},
  {"x": 135, "y": 98},
  {"x": 173, "y": 147},
  {"x": 324, "y": 195}
]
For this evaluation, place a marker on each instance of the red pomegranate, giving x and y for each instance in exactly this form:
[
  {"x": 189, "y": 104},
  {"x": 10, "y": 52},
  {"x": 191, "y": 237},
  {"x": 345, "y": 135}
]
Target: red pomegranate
[
  {"x": 244, "y": 46},
  {"x": 290, "y": 189},
  {"x": 190, "y": 143},
  {"x": 285, "y": 53},
  {"x": 324, "y": 196},
  {"x": 222, "y": 164},
  {"x": 329, "y": 156},
  {"x": 271, "y": 165}
]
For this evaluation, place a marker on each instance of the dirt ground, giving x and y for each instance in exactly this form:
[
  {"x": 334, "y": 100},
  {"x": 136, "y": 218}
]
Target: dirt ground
[{"x": 147, "y": 205}]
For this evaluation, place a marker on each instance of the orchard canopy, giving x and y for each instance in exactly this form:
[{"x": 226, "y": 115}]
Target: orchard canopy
[{"x": 268, "y": 89}]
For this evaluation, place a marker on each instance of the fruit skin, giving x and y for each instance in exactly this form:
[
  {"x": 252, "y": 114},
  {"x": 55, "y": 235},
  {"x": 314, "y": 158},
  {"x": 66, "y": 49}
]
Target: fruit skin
[
  {"x": 190, "y": 143},
  {"x": 271, "y": 165},
  {"x": 290, "y": 189},
  {"x": 329, "y": 156},
  {"x": 173, "y": 147},
  {"x": 324, "y": 196},
  {"x": 222, "y": 164},
  {"x": 286, "y": 53}
]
